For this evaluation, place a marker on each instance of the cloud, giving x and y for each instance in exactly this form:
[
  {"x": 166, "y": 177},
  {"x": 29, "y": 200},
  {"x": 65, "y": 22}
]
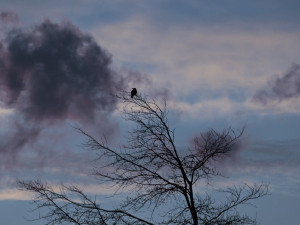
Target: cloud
[
  {"x": 281, "y": 88},
  {"x": 209, "y": 60},
  {"x": 54, "y": 71},
  {"x": 51, "y": 73}
]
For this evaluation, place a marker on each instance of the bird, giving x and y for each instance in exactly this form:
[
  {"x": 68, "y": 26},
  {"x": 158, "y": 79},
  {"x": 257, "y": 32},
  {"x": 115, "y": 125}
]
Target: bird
[{"x": 133, "y": 92}]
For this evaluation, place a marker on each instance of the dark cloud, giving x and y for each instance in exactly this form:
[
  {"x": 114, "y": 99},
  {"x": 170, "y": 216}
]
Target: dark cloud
[
  {"x": 50, "y": 73},
  {"x": 54, "y": 71},
  {"x": 281, "y": 88}
]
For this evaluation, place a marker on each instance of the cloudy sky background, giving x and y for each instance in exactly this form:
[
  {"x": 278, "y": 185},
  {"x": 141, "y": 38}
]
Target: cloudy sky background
[{"x": 222, "y": 63}]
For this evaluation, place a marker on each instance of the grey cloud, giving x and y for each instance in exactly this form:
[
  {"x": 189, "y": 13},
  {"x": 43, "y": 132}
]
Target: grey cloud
[
  {"x": 54, "y": 71},
  {"x": 50, "y": 73},
  {"x": 281, "y": 88}
]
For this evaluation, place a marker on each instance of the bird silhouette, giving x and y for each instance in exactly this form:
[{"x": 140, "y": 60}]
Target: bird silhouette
[{"x": 133, "y": 92}]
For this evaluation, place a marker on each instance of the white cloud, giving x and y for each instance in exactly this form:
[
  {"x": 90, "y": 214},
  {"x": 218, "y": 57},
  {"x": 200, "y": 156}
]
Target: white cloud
[
  {"x": 275, "y": 107},
  {"x": 195, "y": 57},
  {"x": 224, "y": 106},
  {"x": 206, "y": 108},
  {"x": 204, "y": 61},
  {"x": 4, "y": 111},
  {"x": 14, "y": 194}
]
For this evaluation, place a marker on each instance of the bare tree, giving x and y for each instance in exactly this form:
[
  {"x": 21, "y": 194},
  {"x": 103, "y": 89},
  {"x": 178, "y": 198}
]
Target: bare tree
[{"x": 162, "y": 179}]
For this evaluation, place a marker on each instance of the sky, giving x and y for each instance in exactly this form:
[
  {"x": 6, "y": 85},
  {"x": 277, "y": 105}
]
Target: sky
[{"x": 219, "y": 64}]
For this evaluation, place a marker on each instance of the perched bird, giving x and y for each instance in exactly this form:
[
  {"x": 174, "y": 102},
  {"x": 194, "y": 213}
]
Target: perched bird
[{"x": 133, "y": 92}]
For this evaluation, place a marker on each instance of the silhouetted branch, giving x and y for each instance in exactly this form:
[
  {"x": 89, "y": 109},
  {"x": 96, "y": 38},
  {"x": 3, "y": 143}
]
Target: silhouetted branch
[
  {"x": 150, "y": 166},
  {"x": 71, "y": 205}
]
